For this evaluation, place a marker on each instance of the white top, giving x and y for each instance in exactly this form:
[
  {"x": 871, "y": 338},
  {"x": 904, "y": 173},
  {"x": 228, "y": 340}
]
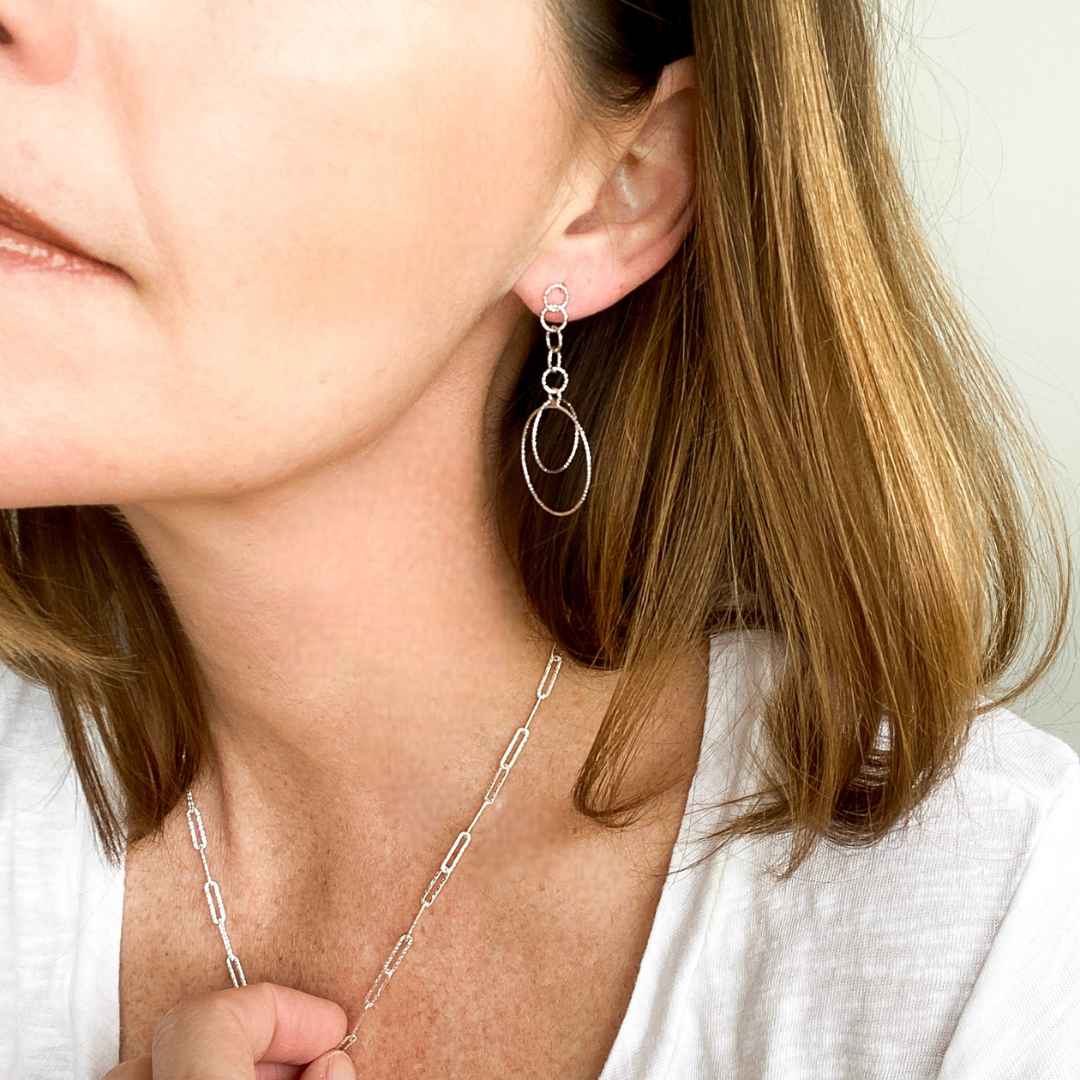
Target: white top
[{"x": 949, "y": 950}]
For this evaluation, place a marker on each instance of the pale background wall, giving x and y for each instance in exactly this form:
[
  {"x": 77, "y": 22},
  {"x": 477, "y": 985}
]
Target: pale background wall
[{"x": 986, "y": 103}]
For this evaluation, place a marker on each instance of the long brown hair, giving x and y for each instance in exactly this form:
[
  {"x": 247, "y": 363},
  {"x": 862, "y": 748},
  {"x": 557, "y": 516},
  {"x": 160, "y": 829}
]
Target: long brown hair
[{"x": 803, "y": 436}]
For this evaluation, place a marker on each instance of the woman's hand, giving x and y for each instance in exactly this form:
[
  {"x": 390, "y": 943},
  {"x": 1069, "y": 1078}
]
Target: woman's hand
[{"x": 257, "y": 1032}]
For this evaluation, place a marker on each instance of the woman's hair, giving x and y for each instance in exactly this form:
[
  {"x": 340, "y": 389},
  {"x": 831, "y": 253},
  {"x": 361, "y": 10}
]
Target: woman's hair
[{"x": 796, "y": 431}]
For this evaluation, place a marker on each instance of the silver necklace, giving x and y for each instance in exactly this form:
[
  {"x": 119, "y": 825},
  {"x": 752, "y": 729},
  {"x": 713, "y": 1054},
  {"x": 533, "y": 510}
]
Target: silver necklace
[{"x": 212, "y": 890}]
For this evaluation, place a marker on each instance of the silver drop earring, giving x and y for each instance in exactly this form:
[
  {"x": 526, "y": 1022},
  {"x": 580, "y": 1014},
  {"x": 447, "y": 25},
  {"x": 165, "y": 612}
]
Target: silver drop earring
[{"x": 557, "y": 373}]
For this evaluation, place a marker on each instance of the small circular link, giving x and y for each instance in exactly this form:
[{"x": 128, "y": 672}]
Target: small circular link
[
  {"x": 548, "y": 372},
  {"x": 549, "y": 326},
  {"x": 565, "y": 291}
]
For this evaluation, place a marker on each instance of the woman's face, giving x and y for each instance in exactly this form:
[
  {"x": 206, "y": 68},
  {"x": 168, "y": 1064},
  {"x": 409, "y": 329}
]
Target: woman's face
[{"x": 314, "y": 200}]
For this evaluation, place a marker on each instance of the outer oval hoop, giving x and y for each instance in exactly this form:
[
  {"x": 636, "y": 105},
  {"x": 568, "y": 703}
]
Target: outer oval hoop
[{"x": 579, "y": 430}]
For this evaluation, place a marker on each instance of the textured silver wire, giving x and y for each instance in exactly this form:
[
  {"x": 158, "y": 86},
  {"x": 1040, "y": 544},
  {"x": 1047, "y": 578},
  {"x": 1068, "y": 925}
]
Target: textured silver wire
[
  {"x": 212, "y": 889},
  {"x": 555, "y": 401}
]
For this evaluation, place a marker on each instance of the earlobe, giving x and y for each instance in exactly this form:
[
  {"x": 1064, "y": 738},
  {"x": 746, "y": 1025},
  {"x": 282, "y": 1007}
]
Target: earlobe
[{"x": 640, "y": 212}]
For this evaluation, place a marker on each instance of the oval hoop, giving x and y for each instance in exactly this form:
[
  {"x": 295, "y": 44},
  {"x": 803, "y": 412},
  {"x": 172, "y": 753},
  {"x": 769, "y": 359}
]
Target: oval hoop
[{"x": 579, "y": 432}]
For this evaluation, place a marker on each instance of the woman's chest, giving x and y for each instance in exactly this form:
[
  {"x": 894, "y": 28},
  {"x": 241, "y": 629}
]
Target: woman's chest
[{"x": 523, "y": 971}]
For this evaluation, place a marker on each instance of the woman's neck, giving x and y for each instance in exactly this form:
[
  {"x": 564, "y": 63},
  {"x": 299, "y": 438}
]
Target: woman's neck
[{"x": 357, "y": 624}]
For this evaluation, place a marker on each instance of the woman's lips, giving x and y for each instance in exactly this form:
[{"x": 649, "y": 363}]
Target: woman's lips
[
  {"x": 29, "y": 243},
  {"x": 19, "y": 251}
]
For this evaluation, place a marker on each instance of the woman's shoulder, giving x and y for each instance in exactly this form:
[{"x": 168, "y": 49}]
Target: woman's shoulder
[
  {"x": 1009, "y": 758},
  {"x": 968, "y": 859},
  {"x": 962, "y": 919},
  {"x": 47, "y": 841},
  {"x": 1007, "y": 812},
  {"x": 1013, "y": 796},
  {"x": 1013, "y": 787},
  {"x": 1009, "y": 774},
  {"x": 60, "y": 901},
  {"x": 33, "y": 754},
  {"x": 1014, "y": 790}
]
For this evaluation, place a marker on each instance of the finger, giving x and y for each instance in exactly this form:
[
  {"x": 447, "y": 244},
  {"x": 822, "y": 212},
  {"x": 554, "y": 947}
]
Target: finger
[
  {"x": 269, "y": 1070},
  {"x": 141, "y": 1068},
  {"x": 136, "y": 1068},
  {"x": 222, "y": 1034},
  {"x": 336, "y": 1065}
]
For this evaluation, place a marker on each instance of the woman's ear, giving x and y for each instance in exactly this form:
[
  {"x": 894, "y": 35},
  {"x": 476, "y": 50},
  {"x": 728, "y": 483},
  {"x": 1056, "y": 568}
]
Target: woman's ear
[{"x": 623, "y": 222}]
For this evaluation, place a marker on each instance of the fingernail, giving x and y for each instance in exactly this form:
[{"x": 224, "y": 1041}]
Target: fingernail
[{"x": 340, "y": 1066}]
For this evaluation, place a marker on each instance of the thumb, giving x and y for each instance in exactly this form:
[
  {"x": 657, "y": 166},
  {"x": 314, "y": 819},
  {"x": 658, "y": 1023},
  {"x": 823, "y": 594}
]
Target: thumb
[{"x": 336, "y": 1065}]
